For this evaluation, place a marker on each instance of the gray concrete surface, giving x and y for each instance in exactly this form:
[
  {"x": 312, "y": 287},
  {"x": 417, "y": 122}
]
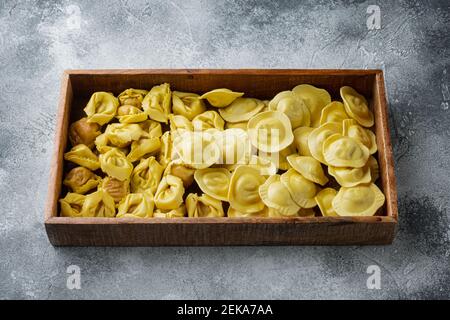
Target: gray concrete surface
[{"x": 38, "y": 39}]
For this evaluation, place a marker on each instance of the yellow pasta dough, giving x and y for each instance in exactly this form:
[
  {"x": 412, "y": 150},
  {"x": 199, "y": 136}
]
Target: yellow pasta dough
[
  {"x": 169, "y": 194},
  {"x": 178, "y": 169},
  {"x": 265, "y": 166},
  {"x": 144, "y": 146},
  {"x": 179, "y": 212},
  {"x": 241, "y": 110},
  {"x": 83, "y": 156},
  {"x": 324, "y": 200},
  {"x": 270, "y": 131},
  {"x": 294, "y": 107},
  {"x": 197, "y": 149},
  {"x": 166, "y": 153},
  {"x": 99, "y": 204},
  {"x": 115, "y": 164},
  {"x": 233, "y": 213},
  {"x": 237, "y": 125},
  {"x": 362, "y": 200},
  {"x": 315, "y": 98},
  {"x": 101, "y": 108},
  {"x": 136, "y": 205},
  {"x": 243, "y": 193},
  {"x": 301, "y": 135},
  {"x": 221, "y": 98},
  {"x": 122, "y": 134},
  {"x": 276, "y": 195},
  {"x": 132, "y": 97},
  {"x": 179, "y": 122},
  {"x": 71, "y": 205},
  {"x": 333, "y": 112},
  {"x": 81, "y": 180},
  {"x": 157, "y": 103},
  {"x": 130, "y": 114},
  {"x": 153, "y": 128},
  {"x": 356, "y": 106},
  {"x": 318, "y": 136},
  {"x": 340, "y": 151},
  {"x": 146, "y": 175},
  {"x": 350, "y": 177},
  {"x": 234, "y": 146},
  {"x": 116, "y": 188},
  {"x": 83, "y": 132},
  {"x": 187, "y": 104},
  {"x": 214, "y": 182},
  {"x": 203, "y": 206},
  {"x": 309, "y": 168},
  {"x": 208, "y": 120},
  {"x": 301, "y": 189},
  {"x": 352, "y": 129}
]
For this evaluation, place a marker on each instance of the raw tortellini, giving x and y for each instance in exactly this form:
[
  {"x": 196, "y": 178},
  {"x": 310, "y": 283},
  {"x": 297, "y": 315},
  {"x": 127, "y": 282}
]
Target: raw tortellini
[
  {"x": 101, "y": 108},
  {"x": 174, "y": 154}
]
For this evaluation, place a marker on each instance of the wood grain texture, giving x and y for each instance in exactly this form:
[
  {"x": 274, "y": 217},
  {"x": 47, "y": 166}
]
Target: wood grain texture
[{"x": 78, "y": 85}]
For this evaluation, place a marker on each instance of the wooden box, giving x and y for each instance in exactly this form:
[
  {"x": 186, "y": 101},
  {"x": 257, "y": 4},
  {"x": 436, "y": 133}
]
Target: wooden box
[{"x": 78, "y": 85}]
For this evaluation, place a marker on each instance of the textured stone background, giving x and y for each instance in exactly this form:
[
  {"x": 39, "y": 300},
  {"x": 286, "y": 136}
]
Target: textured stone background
[{"x": 38, "y": 39}]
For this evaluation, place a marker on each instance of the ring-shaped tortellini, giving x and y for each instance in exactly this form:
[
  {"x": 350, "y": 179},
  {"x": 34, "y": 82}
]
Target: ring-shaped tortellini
[
  {"x": 350, "y": 177},
  {"x": 71, "y": 205},
  {"x": 146, "y": 175},
  {"x": 136, "y": 205},
  {"x": 99, "y": 204},
  {"x": 221, "y": 98},
  {"x": 243, "y": 193},
  {"x": 178, "y": 169},
  {"x": 130, "y": 114},
  {"x": 233, "y": 213},
  {"x": 237, "y": 125},
  {"x": 169, "y": 194},
  {"x": 132, "y": 97},
  {"x": 208, "y": 120},
  {"x": 157, "y": 103},
  {"x": 317, "y": 137},
  {"x": 152, "y": 128},
  {"x": 80, "y": 180},
  {"x": 361, "y": 200},
  {"x": 142, "y": 147},
  {"x": 341, "y": 151},
  {"x": 301, "y": 135},
  {"x": 277, "y": 196},
  {"x": 187, "y": 104},
  {"x": 83, "y": 132},
  {"x": 265, "y": 166},
  {"x": 352, "y": 129},
  {"x": 333, "y": 112},
  {"x": 166, "y": 153},
  {"x": 203, "y": 206},
  {"x": 241, "y": 110},
  {"x": 179, "y": 212},
  {"x": 374, "y": 168},
  {"x": 324, "y": 200},
  {"x": 309, "y": 168},
  {"x": 116, "y": 188},
  {"x": 292, "y": 106},
  {"x": 102, "y": 144},
  {"x": 234, "y": 146},
  {"x": 179, "y": 122},
  {"x": 301, "y": 189},
  {"x": 122, "y": 134},
  {"x": 270, "y": 131},
  {"x": 315, "y": 98},
  {"x": 214, "y": 182},
  {"x": 197, "y": 149},
  {"x": 83, "y": 156},
  {"x": 115, "y": 164},
  {"x": 356, "y": 106},
  {"x": 101, "y": 108}
]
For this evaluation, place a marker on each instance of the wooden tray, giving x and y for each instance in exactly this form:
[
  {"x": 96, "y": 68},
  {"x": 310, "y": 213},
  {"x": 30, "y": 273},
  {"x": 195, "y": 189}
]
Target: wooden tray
[{"x": 78, "y": 85}]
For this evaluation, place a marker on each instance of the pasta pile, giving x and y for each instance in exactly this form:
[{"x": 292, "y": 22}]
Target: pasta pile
[{"x": 163, "y": 153}]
